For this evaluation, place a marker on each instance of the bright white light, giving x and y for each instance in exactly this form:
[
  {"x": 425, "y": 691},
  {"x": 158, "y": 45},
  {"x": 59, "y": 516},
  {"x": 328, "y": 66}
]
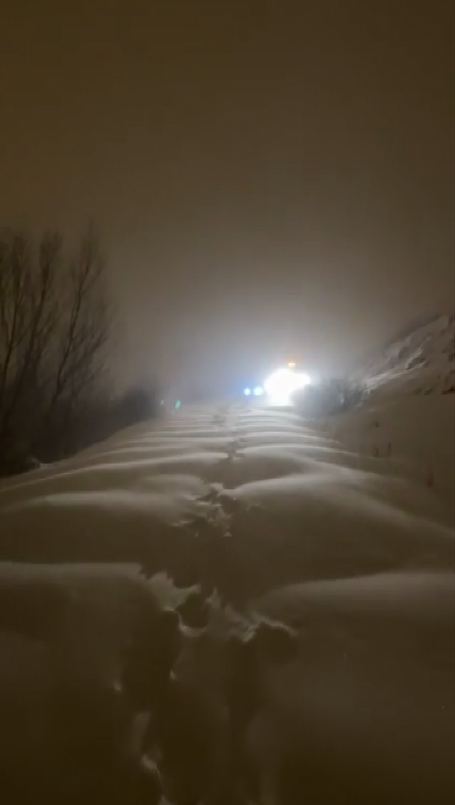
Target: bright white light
[
  {"x": 247, "y": 392},
  {"x": 258, "y": 391},
  {"x": 281, "y": 385}
]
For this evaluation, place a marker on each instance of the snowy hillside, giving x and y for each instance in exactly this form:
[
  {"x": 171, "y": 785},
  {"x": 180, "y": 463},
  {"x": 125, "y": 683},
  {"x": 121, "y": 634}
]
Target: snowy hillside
[
  {"x": 407, "y": 420},
  {"x": 420, "y": 362}
]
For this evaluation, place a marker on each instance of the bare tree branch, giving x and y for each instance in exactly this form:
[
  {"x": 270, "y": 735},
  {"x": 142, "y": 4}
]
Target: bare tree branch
[
  {"x": 15, "y": 286},
  {"x": 55, "y": 325}
]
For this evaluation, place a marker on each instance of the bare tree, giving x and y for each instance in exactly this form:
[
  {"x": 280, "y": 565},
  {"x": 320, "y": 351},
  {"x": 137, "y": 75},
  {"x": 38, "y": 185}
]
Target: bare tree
[
  {"x": 84, "y": 327},
  {"x": 27, "y": 321},
  {"x": 55, "y": 324}
]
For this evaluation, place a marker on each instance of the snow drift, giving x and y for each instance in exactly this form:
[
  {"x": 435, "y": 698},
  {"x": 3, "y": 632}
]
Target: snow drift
[{"x": 245, "y": 610}]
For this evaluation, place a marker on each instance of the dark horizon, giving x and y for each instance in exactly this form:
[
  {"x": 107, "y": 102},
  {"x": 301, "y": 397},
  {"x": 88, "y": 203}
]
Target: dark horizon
[{"x": 266, "y": 181}]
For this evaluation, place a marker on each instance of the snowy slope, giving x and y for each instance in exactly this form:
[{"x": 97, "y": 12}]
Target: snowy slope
[
  {"x": 420, "y": 362},
  {"x": 285, "y": 523},
  {"x": 407, "y": 420}
]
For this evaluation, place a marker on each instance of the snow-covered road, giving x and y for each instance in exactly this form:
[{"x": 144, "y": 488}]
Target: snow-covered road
[
  {"x": 284, "y": 524},
  {"x": 279, "y": 503}
]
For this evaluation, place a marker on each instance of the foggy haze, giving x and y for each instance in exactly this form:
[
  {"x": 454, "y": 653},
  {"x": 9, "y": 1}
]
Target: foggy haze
[{"x": 267, "y": 179}]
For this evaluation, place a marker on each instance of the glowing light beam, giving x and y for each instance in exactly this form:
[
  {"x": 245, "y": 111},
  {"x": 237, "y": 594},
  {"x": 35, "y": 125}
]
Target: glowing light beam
[{"x": 281, "y": 385}]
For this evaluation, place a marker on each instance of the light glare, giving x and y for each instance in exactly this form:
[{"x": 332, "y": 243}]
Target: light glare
[{"x": 282, "y": 384}]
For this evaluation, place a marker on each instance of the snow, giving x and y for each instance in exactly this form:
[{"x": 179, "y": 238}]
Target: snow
[
  {"x": 305, "y": 526},
  {"x": 142, "y": 482},
  {"x": 312, "y": 506},
  {"x": 406, "y": 425},
  {"x": 364, "y": 682},
  {"x": 420, "y": 361},
  {"x": 411, "y": 437}
]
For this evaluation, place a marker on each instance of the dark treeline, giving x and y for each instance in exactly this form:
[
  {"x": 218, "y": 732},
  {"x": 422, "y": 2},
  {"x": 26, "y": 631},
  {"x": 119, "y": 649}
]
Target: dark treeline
[{"x": 56, "y": 333}]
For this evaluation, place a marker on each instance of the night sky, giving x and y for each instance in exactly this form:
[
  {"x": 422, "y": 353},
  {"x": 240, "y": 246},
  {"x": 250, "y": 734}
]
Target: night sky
[{"x": 267, "y": 178}]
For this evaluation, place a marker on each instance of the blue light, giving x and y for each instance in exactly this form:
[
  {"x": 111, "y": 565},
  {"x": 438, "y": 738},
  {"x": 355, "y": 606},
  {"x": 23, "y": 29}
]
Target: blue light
[
  {"x": 258, "y": 391},
  {"x": 247, "y": 392}
]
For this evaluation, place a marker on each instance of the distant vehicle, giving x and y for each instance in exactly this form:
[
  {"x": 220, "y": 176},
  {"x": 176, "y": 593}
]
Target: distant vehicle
[
  {"x": 281, "y": 385},
  {"x": 256, "y": 391}
]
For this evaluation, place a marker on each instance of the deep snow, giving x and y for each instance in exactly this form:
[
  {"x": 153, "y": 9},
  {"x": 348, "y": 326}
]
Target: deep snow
[
  {"x": 406, "y": 423},
  {"x": 298, "y": 525}
]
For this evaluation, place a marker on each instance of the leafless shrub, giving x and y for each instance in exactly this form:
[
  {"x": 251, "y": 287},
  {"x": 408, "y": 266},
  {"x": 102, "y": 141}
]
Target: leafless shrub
[{"x": 55, "y": 326}]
